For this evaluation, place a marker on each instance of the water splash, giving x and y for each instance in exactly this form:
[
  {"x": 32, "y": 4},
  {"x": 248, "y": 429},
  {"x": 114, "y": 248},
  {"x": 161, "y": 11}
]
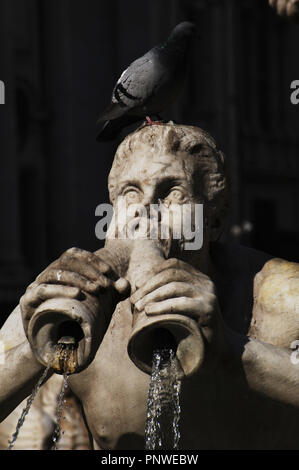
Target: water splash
[
  {"x": 28, "y": 406},
  {"x": 163, "y": 408},
  {"x": 65, "y": 356}
]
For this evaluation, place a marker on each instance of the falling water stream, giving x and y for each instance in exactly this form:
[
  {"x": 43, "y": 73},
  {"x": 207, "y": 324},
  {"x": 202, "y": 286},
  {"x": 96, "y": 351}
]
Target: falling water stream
[
  {"x": 64, "y": 359},
  {"x": 27, "y": 407},
  {"x": 163, "y": 407},
  {"x": 60, "y": 403}
]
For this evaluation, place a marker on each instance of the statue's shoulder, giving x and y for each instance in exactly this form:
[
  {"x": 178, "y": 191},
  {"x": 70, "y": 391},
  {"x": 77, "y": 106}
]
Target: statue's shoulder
[
  {"x": 276, "y": 302},
  {"x": 277, "y": 277},
  {"x": 279, "y": 265},
  {"x": 269, "y": 286}
]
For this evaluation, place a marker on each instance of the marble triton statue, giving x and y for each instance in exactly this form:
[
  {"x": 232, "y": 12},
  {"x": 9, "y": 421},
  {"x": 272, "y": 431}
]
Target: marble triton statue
[{"x": 245, "y": 393}]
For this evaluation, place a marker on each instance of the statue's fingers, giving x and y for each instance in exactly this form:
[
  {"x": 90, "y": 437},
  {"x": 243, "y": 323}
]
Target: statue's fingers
[
  {"x": 272, "y": 3},
  {"x": 68, "y": 278},
  {"x": 171, "y": 263},
  {"x": 103, "y": 267},
  {"x": 122, "y": 286},
  {"x": 84, "y": 263},
  {"x": 170, "y": 290},
  {"x": 179, "y": 264},
  {"x": 204, "y": 285},
  {"x": 32, "y": 285},
  {"x": 44, "y": 292},
  {"x": 194, "y": 308},
  {"x": 159, "y": 280},
  {"x": 174, "y": 263},
  {"x": 192, "y": 273}
]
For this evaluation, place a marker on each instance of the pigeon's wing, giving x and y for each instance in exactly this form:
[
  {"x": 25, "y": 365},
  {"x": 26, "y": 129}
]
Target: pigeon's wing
[
  {"x": 134, "y": 87},
  {"x": 135, "y": 84}
]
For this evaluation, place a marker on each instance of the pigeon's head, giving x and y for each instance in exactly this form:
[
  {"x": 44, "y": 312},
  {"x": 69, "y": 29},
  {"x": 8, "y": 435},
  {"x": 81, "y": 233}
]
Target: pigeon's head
[{"x": 184, "y": 30}]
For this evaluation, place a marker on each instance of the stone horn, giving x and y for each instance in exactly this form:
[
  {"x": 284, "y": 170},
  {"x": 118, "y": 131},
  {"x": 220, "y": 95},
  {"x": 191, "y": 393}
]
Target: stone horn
[
  {"x": 172, "y": 331},
  {"x": 74, "y": 322}
]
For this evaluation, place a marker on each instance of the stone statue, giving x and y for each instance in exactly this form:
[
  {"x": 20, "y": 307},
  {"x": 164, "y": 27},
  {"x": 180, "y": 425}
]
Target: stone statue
[{"x": 245, "y": 304}]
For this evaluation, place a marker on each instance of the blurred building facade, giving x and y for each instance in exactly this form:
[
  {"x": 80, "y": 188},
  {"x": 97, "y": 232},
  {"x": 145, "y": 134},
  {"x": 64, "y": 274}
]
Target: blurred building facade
[{"x": 59, "y": 60}]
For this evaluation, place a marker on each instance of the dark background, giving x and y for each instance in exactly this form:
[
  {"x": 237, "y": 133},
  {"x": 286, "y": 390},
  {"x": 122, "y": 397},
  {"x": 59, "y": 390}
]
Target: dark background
[{"x": 59, "y": 60}]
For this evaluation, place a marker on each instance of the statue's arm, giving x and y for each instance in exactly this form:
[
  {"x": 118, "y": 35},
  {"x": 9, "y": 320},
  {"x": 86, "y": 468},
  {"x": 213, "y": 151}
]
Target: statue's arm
[
  {"x": 19, "y": 369},
  {"x": 268, "y": 369},
  {"x": 269, "y": 363}
]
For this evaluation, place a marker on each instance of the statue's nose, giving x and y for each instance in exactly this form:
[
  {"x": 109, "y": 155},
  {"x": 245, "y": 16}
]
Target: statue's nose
[{"x": 149, "y": 198}]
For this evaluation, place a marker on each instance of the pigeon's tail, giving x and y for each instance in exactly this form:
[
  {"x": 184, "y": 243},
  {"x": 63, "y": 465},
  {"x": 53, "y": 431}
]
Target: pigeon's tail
[
  {"x": 111, "y": 129},
  {"x": 113, "y": 111}
]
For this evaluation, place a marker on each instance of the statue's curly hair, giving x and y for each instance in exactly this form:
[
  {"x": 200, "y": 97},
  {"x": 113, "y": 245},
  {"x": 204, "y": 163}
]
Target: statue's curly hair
[{"x": 210, "y": 175}]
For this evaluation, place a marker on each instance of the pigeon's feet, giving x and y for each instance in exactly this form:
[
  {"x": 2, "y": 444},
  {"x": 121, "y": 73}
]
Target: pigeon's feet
[{"x": 150, "y": 122}]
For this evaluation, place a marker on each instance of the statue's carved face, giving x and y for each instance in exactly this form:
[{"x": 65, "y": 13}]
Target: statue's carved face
[
  {"x": 166, "y": 180},
  {"x": 177, "y": 168}
]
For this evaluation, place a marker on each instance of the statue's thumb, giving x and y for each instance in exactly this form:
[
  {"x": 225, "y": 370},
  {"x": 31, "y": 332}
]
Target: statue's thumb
[{"x": 123, "y": 287}]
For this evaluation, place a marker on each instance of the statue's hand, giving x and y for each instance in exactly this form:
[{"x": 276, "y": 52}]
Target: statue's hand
[
  {"x": 179, "y": 288},
  {"x": 76, "y": 271},
  {"x": 289, "y": 8}
]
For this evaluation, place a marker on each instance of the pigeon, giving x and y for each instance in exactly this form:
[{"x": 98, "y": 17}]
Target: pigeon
[{"x": 149, "y": 84}]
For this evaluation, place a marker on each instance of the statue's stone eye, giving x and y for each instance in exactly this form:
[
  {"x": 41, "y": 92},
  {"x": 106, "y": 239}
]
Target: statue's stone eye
[
  {"x": 131, "y": 193},
  {"x": 176, "y": 195}
]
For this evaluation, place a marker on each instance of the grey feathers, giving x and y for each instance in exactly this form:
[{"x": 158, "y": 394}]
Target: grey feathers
[{"x": 150, "y": 83}]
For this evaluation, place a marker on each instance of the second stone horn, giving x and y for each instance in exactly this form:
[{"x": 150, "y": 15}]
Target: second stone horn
[{"x": 172, "y": 331}]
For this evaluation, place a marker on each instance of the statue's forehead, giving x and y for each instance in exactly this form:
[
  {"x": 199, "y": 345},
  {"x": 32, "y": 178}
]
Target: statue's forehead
[{"x": 154, "y": 163}]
